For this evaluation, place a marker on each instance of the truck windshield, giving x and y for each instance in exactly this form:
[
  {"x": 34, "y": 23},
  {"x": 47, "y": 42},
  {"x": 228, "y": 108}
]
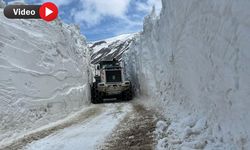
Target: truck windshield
[
  {"x": 113, "y": 76},
  {"x": 105, "y": 64}
]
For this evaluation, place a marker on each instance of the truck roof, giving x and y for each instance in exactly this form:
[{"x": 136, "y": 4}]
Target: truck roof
[{"x": 109, "y": 64}]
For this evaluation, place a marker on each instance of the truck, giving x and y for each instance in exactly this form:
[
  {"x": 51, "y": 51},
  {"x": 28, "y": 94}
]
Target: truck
[{"x": 109, "y": 82}]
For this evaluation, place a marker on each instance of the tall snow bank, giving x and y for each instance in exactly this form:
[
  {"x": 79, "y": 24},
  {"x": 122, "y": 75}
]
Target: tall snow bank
[
  {"x": 194, "y": 62},
  {"x": 43, "y": 72}
]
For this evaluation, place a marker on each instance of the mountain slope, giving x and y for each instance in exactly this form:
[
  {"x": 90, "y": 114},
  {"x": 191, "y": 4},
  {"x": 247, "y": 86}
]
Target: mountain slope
[{"x": 110, "y": 48}]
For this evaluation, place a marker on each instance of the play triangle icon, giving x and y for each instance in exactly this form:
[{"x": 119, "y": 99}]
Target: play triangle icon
[{"x": 48, "y": 11}]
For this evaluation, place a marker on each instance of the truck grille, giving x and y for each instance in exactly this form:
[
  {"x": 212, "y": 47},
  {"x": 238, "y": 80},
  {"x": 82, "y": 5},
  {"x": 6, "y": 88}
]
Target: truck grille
[{"x": 114, "y": 76}]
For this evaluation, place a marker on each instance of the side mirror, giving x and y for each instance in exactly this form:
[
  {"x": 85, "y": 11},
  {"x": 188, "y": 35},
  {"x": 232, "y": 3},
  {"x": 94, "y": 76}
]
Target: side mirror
[{"x": 98, "y": 67}]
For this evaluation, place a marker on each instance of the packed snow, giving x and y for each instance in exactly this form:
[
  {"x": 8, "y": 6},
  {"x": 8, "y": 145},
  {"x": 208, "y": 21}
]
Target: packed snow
[
  {"x": 43, "y": 73},
  {"x": 193, "y": 61},
  {"x": 89, "y": 134}
]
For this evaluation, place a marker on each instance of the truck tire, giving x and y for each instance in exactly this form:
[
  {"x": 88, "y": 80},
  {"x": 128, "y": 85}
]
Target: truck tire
[
  {"x": 128, "y": 94},
  {"x": 96, "y": 96},
  {"x": 93, "y": 94}
]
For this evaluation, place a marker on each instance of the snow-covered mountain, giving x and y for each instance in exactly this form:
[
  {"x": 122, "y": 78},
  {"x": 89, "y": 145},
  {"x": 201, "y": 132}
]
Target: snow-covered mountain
[
  {"x": 43, "y": 73},
  {"x": 108, "y": 49},
  {"x": 193, "y": 60}
]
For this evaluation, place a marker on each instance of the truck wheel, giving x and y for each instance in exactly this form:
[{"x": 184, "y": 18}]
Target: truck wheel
[
  {"x": 96, "y": 96},
  {"x": 93, "y": 94},
  {"x": 99, "y": 97},
  {"x": 127, "y": 95}
]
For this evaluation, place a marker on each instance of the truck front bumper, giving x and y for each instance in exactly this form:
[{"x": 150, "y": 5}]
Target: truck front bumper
[{"x": 113, "y": 89}]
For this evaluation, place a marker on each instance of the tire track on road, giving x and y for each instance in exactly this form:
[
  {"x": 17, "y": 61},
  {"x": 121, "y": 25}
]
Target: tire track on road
[
  {"x": 37, "y": 135},
  {"x": 86, "y": 135},
  {"x": 135, "y": 132}
]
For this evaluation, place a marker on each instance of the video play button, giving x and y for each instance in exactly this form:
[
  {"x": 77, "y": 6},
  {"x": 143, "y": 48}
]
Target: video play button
[{"x": 48, "y": 11}]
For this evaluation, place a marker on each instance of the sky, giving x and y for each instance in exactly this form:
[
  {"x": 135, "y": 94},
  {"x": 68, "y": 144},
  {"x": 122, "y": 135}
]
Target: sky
[{"x": 101, "y": 19}]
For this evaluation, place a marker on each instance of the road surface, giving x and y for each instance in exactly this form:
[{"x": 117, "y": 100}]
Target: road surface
[{"x": 108, "y": 126}]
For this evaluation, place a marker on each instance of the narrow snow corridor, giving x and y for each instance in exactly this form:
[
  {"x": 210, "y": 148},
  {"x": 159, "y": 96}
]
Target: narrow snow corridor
[{"x": 188, "y": 67}]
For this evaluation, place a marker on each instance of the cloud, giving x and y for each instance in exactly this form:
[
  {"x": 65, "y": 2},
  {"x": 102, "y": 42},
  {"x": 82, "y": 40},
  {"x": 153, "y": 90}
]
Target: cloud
[
  {"x": 60, "y": 2},
  {"x": 17, "y": 2},
  {"x": 102, "y": 18},
  {"x": 91, "y": 12},
  {"x": 147, "y": 6}
]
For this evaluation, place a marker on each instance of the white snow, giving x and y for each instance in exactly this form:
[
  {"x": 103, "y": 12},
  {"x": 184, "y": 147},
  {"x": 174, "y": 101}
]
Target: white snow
[
  {"x": 70, "y": 118},
  {"x": 43, "y": 73},
  {"x": 193, "y": 61},
  {"x": 108, "y": 49},
  {"x": 87, "y": 135},
  {"x": 99, "y": 47},
  {"x": 120, "y": 38}
]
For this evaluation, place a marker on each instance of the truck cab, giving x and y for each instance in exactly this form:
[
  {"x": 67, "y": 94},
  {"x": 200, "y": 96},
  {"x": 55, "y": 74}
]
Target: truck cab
[{"x": 110, "y": 82}]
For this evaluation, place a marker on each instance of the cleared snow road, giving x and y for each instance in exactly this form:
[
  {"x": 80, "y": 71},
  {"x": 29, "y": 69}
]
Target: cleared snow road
[
  {"x": 111, "y": 126},
  {"x": 87, "y": 134}
]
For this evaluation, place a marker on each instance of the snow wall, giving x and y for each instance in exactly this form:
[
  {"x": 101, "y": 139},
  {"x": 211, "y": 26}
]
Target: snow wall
[
  {"x": 43, "y": 72},
  {"x": 193, "y": 60}
]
